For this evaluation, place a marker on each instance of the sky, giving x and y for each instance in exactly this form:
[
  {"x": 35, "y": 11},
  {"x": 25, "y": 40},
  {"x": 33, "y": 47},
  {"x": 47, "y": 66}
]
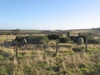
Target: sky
[{"x": 49, "y": 14}]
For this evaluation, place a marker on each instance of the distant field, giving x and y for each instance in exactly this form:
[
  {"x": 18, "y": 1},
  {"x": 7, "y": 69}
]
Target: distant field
[
  {"x": 21, "y": 31},
  {"x": 85, "y": 31},
  {"x": 81, "y": 30},
  {"x": 74, "y": 31}
]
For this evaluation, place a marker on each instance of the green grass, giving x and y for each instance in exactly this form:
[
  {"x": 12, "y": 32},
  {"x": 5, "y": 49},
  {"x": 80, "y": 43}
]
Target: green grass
[{"x": 1, "y": 57}]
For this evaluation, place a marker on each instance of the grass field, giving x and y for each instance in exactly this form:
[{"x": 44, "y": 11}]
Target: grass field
[{"x": 35, "y": 60}]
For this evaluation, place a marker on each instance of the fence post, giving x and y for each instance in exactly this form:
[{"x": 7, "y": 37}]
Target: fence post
[
  {"x": 16, "y": 50},
  {"x": 86, "y": 44},
  {"x": 57, "y": 46}
]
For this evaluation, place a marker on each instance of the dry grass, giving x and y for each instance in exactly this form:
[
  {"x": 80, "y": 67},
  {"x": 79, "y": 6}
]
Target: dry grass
[{"x": 44, "y": 62}]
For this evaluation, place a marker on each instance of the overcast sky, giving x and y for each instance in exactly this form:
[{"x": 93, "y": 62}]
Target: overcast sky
[{"x": 49, "y": 14}]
